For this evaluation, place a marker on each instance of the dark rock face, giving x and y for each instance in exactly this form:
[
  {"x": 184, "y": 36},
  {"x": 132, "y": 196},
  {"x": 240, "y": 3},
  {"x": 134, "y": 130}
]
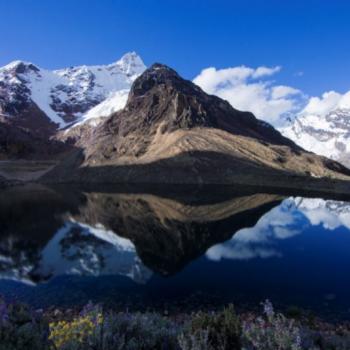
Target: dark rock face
[
  {"x": 165, "y": 96},
  {"x": 16, "y": 142},
  {"x": 30, "y": 119},
  {"x": 16, "y": 106}
]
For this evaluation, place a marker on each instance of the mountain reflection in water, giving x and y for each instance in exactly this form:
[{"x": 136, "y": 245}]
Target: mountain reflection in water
[
  {"x": 71, "y": 243},
  {"x": 46, "y": 232}
]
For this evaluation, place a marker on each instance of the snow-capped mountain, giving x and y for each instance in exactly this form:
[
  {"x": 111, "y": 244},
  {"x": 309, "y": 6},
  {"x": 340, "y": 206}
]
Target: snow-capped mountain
[
  {"x": 327, "y": 135},
  {"x": 36, "y": 98}
]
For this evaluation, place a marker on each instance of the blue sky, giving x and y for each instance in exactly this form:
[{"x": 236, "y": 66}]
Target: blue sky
[{"x": 312, "y": 37}]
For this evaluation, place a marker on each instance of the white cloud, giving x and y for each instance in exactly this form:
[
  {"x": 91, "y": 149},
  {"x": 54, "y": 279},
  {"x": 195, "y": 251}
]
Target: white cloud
[
  {"x": 247, "y": 89},
  {"x": 283, "y": 91},
  {"x": 328, "y": 102},
  {"x": 265, "y": 71}
]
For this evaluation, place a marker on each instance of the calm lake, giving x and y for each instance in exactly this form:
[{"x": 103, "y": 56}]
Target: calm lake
[{"x": 174, "y": 248}]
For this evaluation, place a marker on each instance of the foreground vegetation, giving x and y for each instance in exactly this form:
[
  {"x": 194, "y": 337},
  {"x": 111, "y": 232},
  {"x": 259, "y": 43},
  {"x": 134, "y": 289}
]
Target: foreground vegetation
[{"x": 97, "y": 329}]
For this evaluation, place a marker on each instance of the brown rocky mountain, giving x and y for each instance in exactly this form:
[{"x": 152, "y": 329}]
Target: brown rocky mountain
[{"x": 172, "y": 132}]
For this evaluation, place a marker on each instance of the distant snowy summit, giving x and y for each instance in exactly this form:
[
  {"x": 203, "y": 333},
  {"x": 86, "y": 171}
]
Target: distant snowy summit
[
  {"x": 43, "y": 101},
  {"x": 325, "y": 134}
]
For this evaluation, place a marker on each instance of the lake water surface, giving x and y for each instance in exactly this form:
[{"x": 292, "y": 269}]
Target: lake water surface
[{"x": 183, "y": 248}]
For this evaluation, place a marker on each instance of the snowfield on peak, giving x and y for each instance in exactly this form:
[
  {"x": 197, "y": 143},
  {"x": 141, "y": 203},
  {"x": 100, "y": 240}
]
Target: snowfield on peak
[
  {"x": 113, "y": 103},
  {"x": 69, "y": 95}
]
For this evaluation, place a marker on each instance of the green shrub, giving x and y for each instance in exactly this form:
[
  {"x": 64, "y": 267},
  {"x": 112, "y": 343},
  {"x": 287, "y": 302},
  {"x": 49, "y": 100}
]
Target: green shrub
[
  {"x": 220, "y": 331},
  {"x": 139, "y": 331},
  {"x": 272, "y": 332},
  {"x": 21, "y": 328}
]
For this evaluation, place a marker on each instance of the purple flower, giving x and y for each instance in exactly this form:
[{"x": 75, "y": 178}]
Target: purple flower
[
  {"x": 268, "y": 309},
  {"x": 89, "y": 307}
]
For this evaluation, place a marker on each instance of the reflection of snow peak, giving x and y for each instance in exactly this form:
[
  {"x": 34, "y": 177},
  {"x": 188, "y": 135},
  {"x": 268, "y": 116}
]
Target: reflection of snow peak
[
  {"x": 79, "y": 249},
  {"x": 282, "y": 222},
  {"x": 75, "y": 249}
]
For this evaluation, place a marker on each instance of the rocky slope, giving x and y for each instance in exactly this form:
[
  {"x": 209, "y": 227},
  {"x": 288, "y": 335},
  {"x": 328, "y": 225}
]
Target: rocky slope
[
  {"x": 328, "y": 134},
  {"x": 17, "y": 142},
  {"x": 172, "y": 132},
  {"x": 41, "y": 102}
]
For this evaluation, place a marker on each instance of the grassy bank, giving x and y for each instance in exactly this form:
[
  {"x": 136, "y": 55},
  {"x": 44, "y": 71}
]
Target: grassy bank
[{"x": 98, "y": 329}]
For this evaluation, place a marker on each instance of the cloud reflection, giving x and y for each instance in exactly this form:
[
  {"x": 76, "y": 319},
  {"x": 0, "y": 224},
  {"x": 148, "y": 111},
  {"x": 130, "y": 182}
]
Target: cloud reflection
[{"x": 285, "y": 221}]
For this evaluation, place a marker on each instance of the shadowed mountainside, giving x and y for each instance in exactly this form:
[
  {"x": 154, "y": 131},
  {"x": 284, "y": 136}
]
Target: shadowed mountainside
[{"x": 18, "y": 143}]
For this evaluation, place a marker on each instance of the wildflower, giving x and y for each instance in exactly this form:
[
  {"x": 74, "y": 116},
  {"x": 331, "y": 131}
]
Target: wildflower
[{"x": 268, "y": 309}]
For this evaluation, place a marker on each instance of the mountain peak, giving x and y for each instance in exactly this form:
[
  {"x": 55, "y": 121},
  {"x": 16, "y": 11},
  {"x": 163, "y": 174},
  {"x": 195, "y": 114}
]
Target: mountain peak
[
  {"x": 131, "y": 63},
  {"x": 160, "y": 70},
  {"x": 157, "y": 76},
  {"x": 20, "y": 67},
  {"x": 161, "y": 67},
  {"x": 132, "y": 55}
]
